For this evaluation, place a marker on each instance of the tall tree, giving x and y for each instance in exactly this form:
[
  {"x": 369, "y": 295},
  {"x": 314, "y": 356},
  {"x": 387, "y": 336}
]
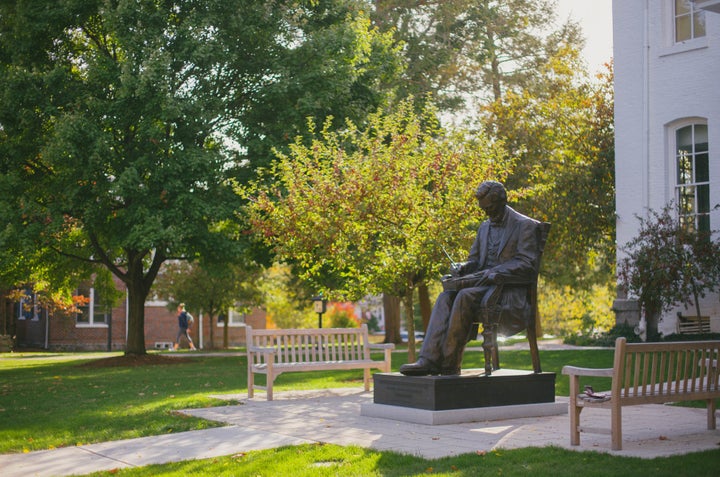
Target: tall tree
[
  {"x": 432, "y": 36},
  {"x": 561, "y": 130},
  {"x": 508, "y": 41},
  {"x": 469, "y": 52},
  {"x": 370, "y": 209},
  {"x": 123, "y": 124}
]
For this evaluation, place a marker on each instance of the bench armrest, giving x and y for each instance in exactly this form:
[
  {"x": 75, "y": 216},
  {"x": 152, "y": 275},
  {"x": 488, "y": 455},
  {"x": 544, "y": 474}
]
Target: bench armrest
[
  {"x": 261, "y": 349},
  {"x": 577, "y": 371},
  {"x": 382, "y": 346}
]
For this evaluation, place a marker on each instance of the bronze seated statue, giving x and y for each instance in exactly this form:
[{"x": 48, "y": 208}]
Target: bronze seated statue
[{"x": 496, "y": 288}]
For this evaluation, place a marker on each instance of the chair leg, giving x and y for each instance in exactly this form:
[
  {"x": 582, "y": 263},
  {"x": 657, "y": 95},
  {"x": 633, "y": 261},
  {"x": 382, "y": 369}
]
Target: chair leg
[
  {"x": 488, "y": 347},
  {"x": 495, "y": 350},
  {"x": 534, "y": 351}
]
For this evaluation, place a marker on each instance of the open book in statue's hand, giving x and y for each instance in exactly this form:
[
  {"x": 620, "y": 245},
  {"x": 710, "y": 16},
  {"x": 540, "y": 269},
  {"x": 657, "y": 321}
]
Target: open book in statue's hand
[{"x": 472, "y": 280}]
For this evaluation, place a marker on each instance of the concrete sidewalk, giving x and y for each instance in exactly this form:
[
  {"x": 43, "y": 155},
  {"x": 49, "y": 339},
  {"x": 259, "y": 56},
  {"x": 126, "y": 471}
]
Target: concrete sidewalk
[{"x": 333, "y": 416}]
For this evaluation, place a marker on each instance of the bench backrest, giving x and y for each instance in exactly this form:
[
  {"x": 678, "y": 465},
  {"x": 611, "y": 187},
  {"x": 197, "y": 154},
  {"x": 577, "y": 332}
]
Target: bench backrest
[
  {"x": 652, "y": 369},
  {"x": 311, "y": 345}
]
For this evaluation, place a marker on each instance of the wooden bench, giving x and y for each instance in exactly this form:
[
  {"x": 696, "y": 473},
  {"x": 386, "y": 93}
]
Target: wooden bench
[
  {"x": 646, "y": 373},
  {"x": 273, "y": 352},
  {"x": 692, "y": 324}
]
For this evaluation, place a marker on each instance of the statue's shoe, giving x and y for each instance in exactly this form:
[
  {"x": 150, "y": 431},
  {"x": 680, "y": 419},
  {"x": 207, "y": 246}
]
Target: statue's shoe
[{"x": 422, "y": 367}]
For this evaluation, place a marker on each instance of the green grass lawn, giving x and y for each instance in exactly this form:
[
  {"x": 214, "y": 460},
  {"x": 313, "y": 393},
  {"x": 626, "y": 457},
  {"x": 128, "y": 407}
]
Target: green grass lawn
[
  {"x": 55, "y": 400},
  {"x": 63, "y": 401}
]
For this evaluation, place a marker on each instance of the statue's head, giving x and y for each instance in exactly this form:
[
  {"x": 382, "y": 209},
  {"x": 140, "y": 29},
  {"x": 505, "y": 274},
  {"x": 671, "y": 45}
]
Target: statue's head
[{"x": 492, "y": 199}]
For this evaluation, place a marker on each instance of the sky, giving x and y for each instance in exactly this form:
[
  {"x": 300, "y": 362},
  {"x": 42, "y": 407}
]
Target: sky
[{"x": 595, "y": 18}]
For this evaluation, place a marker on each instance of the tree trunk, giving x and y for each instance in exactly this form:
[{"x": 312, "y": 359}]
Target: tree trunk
[
  {"x": 136, "y": 318},
  {"x": 138, "y": 283},
  {"x": 495, "y": 68},
  {"x": 651, "y": 322},
  {"x": 410, "y": 324},
  {"x": 211, "y": 332},
  {"x": 226, "y": 332},
  {"x": 425, "y": 305},
  {"x": 4, "y": 312},
  {"x": 391, "y": 308}
]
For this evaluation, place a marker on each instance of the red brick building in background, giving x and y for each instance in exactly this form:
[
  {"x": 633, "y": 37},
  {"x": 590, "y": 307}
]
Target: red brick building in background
[{"x": 97, "y": 329}]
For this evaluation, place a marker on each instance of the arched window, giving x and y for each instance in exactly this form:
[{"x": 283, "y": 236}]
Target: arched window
[{"x": 693, "y": 176}]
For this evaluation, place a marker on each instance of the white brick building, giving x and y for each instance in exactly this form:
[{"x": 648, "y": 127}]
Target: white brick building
[{"x": 667, "y": 116}]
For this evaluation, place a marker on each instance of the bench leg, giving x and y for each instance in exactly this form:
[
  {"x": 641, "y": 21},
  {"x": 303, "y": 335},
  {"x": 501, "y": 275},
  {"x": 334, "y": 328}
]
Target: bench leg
[
  {"x": 574, "y": 411},
  {"x": 251, "y": 380},
  {"x": 616, "y": 425},
  {"x": 711, "y": 414},
  {"x": 388, "y": 361},
  {"x": 269, "y": 377},
  {"x": 366, "y": 379}
]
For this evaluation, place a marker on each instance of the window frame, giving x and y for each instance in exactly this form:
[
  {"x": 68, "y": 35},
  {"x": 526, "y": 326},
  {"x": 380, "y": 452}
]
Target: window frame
[
  {"x": 695, "y": 15},
  {"x": 237, "y": 319},
  {"x": 668, "y": 46},
  {"x": 701, "y": 213},
  {"x": 30, "y": 298},
  {"x": 93, "y": 309}
]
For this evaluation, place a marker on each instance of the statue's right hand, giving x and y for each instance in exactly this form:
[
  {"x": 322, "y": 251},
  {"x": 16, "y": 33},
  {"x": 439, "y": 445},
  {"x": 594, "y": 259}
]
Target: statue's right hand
[
  {"x": 455, "y": 269},
  {"x": 459, "y": 269}
]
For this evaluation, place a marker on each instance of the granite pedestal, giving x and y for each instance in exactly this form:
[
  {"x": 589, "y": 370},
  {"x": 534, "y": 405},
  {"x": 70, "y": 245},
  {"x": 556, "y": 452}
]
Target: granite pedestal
[
  {"x": 471, "y": 389},
  {"x": 469, "y": 397}
]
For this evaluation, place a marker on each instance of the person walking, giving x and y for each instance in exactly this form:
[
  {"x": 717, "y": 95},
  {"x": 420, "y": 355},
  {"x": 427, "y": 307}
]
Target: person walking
[{"x": 185, "y": 320}]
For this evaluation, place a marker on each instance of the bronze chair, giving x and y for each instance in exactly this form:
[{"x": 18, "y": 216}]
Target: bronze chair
[{"x": 492, "y": 312}]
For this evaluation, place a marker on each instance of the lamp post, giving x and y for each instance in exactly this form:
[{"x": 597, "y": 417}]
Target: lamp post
[{"x": 320, "y": 306}]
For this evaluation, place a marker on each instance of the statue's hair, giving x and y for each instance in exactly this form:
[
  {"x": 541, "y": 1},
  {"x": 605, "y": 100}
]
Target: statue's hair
[{"x": 495, "y": 191}]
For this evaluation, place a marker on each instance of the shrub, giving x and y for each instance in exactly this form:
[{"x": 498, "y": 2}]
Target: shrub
[
  {"x": 569, "y": 312},
  {"x": 342, "y": 315},
  {"x": 669, "y": 263}
]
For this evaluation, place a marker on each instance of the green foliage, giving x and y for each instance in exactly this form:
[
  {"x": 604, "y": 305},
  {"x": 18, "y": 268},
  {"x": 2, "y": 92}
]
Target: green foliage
[
  {"x": 330, "y": 64},
  {"x": 287, "y": 300},
  {"x": 124, "y": 125},
  {"x": 568, "y": 312},
  {"x": 463, "y": 51},
  {"x": 367, "y": 210}
]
